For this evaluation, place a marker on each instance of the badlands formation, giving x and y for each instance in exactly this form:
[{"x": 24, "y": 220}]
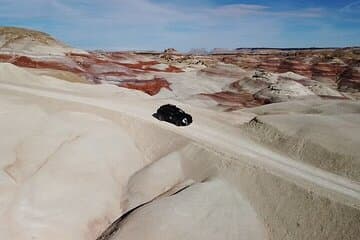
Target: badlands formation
[{"x": 273, "y": 152}]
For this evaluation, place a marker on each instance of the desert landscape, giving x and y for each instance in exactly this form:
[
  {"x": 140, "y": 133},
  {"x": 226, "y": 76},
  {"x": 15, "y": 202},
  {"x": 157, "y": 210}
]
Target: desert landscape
[{"x": 272, "y": 152}]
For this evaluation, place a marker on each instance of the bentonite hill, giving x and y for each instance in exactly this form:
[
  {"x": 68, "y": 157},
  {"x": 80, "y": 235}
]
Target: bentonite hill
[{"x": 272, "y": 153}]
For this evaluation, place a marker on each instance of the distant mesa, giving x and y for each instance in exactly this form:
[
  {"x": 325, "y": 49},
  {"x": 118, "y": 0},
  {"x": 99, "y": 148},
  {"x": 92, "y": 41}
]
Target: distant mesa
[
  {"x": 198, "y": 52},
  {"x": 171, "y": 51},
  {"x": 222, "y": 51}
]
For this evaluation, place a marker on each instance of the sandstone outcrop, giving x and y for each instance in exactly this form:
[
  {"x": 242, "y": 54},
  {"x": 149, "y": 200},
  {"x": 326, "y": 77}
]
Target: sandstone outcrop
[
  {"x": 151, "y": 87},
  {"x": 26, "y": 41}
]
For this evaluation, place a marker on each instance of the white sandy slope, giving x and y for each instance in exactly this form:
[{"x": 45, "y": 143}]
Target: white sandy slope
[
  {"x": 55, "y": 163},
  {"x": 76, "y": 157},
  {"x": 196, "y": 213},
  {"x": 325, "y": 134}
]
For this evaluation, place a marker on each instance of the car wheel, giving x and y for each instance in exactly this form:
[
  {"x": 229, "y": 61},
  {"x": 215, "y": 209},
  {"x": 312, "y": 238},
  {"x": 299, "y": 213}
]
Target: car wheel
[{"x": 178, "y": 123}]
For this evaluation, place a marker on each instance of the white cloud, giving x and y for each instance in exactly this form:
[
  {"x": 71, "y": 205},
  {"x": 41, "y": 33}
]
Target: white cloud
[
  {"x": 146, "y": 24},
  {"x": 134, "y": 10},
  {"x": 22, "y": 9},
  {"x": 237, "y": 10},
  {"x": 353, "y": 7},
  {"x": 303, "y": 13}
]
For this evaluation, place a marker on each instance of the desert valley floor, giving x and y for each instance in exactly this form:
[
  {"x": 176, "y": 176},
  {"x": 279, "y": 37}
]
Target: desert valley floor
[{"x": 272, "y": 153}]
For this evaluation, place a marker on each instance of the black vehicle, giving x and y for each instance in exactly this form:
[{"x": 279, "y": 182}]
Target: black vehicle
[{"x": 172, "y": 114}]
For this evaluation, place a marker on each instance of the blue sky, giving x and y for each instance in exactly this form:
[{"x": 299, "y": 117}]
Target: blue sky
[{"x": 186, "y": 24}]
